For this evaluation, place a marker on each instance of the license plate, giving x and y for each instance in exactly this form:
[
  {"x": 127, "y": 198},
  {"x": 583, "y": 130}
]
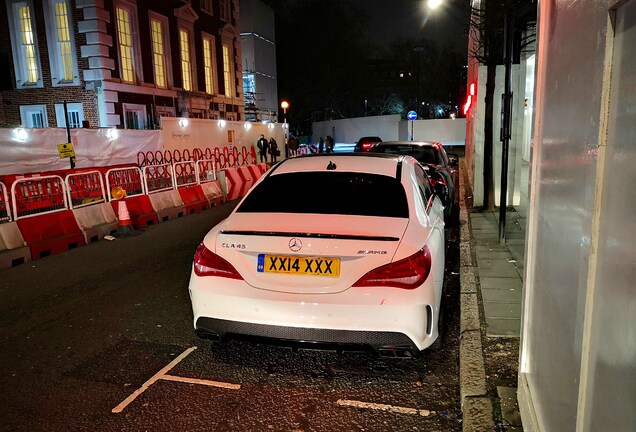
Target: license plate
[{"x": 298, "y": 265}]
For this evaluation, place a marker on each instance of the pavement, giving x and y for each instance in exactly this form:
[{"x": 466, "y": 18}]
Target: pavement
[{"x": 491, "y": 291}]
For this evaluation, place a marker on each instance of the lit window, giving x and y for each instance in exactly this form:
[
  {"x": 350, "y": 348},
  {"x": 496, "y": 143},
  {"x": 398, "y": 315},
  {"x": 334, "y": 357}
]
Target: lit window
[
  {"x": 33, "y": 116},
  {"x": 75, "y": 115},
  {"x": 208, "y": 64},
  {"x": 64, "y": 40},
  {"x": 158, "y": 52},
  {"x": 227, "y": 69},
  {"x": 124, "y": 34},
  {"x": 24, "y": 44},
  {"x": 186, "y": 65}
]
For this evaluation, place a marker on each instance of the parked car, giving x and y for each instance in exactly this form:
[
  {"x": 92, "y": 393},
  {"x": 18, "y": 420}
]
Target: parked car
[
  {"x": 443, "y": 172},
  {"x": 365, "y": 144},
  {"x": 358, "y": 259}
]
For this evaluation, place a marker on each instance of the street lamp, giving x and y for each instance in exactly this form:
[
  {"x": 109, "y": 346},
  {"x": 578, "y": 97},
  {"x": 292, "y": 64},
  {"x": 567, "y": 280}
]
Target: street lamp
[
  {"x": 434, "y": 4},
  {"x": 284, "y": 105},
  {"x": 418, "y": 49}
]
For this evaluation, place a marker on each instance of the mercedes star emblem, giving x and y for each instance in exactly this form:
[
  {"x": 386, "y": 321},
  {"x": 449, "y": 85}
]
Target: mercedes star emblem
[{"x": 295, "y": 244}]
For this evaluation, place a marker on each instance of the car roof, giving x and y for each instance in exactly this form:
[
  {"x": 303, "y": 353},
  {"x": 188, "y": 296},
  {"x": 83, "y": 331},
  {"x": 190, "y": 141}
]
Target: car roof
[
  {"x": 411, "y": 143},
  {"x": 377, "y": 163}
]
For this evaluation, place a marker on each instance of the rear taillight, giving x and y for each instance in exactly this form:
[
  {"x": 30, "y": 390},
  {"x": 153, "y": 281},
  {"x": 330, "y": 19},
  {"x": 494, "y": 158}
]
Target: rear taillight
[
  {"x": 407, "y": 273},
  {"x": 367, "y": 146},
  {"x": 207, "y": 263},
  {"x": 437, "y": 180}
]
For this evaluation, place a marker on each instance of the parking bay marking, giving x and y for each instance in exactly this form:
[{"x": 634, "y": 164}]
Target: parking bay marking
[
  {"x": 384, "y": 407},
  {"x": 163, "y": 375}
]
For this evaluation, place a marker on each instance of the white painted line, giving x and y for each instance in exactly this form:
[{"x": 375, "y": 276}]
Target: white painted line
[
  {"x": 201, "y": 381},
  {"x": 119, "y": 408},
  {"x": 383, "y": 407}
]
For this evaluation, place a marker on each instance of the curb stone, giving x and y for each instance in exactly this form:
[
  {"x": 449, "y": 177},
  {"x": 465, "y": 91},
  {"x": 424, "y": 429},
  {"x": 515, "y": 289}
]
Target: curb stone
[{"x": 476, "y": 405}]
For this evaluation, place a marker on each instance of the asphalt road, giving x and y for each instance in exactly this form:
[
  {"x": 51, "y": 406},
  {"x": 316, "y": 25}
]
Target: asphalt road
[{"x": 82, "y": 331}]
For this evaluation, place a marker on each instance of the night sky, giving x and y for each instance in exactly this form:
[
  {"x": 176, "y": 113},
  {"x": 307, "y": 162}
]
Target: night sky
[{"x": 411, "y": 19}]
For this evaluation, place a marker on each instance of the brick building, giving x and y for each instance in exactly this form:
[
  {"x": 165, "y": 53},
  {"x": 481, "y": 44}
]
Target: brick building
[{"x": 122, "y": 63}]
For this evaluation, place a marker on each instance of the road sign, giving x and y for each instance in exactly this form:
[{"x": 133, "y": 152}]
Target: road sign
[
  {"x": 65, "y": 150},
  {"x": 412, "y": 115}
]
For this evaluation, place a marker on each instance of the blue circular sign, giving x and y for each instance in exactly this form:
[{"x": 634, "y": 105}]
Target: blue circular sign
[{"x": 412, "y": 115}]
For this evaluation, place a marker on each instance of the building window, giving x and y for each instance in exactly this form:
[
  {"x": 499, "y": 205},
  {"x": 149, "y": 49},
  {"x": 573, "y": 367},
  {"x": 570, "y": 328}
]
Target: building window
[
  {"x": 24, "y": 44},
  {"x": 75, "y": 115},
  {"x": 186, "y": 60},
  {"x": 206, "y": 6},
  {"x": 228, "y": 76},
  {"x": 209, "y": 63},
  {"x": 124, "y": 33},
  {"x": 134, "y": 116},
  {"x": 61, "y": 45},
  {"x": 225, "y": 9},
  {"x": 158, "y": 52},
  {"x": 33, "y": 116}
]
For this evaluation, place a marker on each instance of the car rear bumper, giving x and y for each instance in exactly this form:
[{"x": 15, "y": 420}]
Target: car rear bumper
[{"x": 377, "y": 317}]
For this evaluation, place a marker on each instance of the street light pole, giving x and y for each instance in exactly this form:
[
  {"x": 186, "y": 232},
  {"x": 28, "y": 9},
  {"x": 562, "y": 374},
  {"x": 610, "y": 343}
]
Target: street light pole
[
  {"x": 284, "y": 105},
  {"x": 418, "y": 49}
]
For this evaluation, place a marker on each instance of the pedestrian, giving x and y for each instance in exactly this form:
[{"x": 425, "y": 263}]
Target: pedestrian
[
  {"x": 273, "y": 149},
  {"x": 262, "y": 148},
  {"x": 321, "y": 145},
  {"x": 330, "y": 144},
  {"x": 293, "y": 145}
]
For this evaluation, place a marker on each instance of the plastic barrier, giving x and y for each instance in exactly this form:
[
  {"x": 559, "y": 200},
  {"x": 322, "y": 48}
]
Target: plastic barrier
[
  {"x": 37, "y": 195},
  {"x": 255, "y": 172},
  {"x": 168, "y": 204},
  {"x": 13, "y": 249},
  {"x": 51, "y": 233},
  {"x": 158, "y": 178},
  {"x": 5, "y": 208},
  {"x": 129, "y": 179},
  {"x": 185, "y": 173},
  {"x": 247, "y": 181},
  {"x": 263, "y": 167},
  {"x": 213, "y": 192},
  {"x": 194, "y": 199},
  {"x": 85, "y": 188},
  {"x": 96, "y": 221},
  {"x": 233, "y": 183}
]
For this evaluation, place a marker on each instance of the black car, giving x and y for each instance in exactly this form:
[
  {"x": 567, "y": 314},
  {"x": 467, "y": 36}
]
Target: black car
[
  {"x": 366, "y": 144},
  {"x": 442, "y": 172}
]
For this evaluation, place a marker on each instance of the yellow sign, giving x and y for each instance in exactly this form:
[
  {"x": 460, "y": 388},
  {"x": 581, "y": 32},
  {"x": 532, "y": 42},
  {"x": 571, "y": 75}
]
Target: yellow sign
[{"x": 65, "y": 150}]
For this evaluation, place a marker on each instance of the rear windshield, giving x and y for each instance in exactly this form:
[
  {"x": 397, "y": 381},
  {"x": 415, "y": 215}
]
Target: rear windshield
[
  {"x": 344, "y": 193},
  {"x": 427, "y": 155}
]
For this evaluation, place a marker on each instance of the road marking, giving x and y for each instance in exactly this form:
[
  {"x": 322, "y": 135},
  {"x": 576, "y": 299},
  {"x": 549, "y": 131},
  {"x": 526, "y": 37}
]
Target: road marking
[
  {"x": 119, "y": 408},
  {"x": 383, "y": 407},
  {"x": 202, "y": 382}
]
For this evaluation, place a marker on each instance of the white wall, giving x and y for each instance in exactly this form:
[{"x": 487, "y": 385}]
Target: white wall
[
  {"x": 578, "y": 347},
  {"x": 390, "y": 128}
]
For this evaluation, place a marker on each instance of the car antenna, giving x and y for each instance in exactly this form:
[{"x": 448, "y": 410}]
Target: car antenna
[{"x": 331, "y": 166}]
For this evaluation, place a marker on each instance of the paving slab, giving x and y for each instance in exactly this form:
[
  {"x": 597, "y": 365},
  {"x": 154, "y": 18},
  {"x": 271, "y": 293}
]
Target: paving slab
[
  {"x": 501, "y": 295},
  {"x": 504, "y": 271},
  {"x": 500, "y": 283},
  {"x": 502, "y": 310},
  {"x": 509, "y": 406},
  {"x": 499, "y": 327}
]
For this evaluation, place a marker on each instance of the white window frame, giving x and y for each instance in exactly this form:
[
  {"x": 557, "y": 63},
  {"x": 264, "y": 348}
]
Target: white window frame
[
  {"x": 136, "y": 108},
  {"x": 167, "y": 58},
  {"x": 206, "y": 6},
  {"x": 230, "y": 90},
  {"x": 26, "y": 115},
  {"x": 54, "y": 48},
  {"x": 131, "y": 6},
  {"x": 19, "y": 57},
  {"x": 75, "y": 107},
  {"x": 193, "y": 63},
  {"x": 213, "y": 65}
]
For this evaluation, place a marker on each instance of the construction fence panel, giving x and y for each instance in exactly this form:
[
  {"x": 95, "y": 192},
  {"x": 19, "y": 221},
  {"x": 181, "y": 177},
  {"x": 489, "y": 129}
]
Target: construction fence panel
[
  {"x": 129, "y": 179},
  {"x": 158, "y": 178},
  {"x": 85, "y": 188},
  {"x": 5, "y": 208},
  {"x": 185, "y": 173},
  {"x": 32, "y": 196}
]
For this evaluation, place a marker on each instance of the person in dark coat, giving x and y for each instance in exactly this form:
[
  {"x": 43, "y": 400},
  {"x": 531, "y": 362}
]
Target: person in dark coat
[
  {"x": 273, "y": 149},
  {"x": 262, "y": 148},
  {"x": 330, "y": 144},
  {"x": 293, "y": 145},
  {"x": 321, "y": 145}
]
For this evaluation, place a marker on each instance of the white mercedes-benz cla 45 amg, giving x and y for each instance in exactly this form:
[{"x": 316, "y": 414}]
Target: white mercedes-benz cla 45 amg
[{"x": 330, "y": 249}]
